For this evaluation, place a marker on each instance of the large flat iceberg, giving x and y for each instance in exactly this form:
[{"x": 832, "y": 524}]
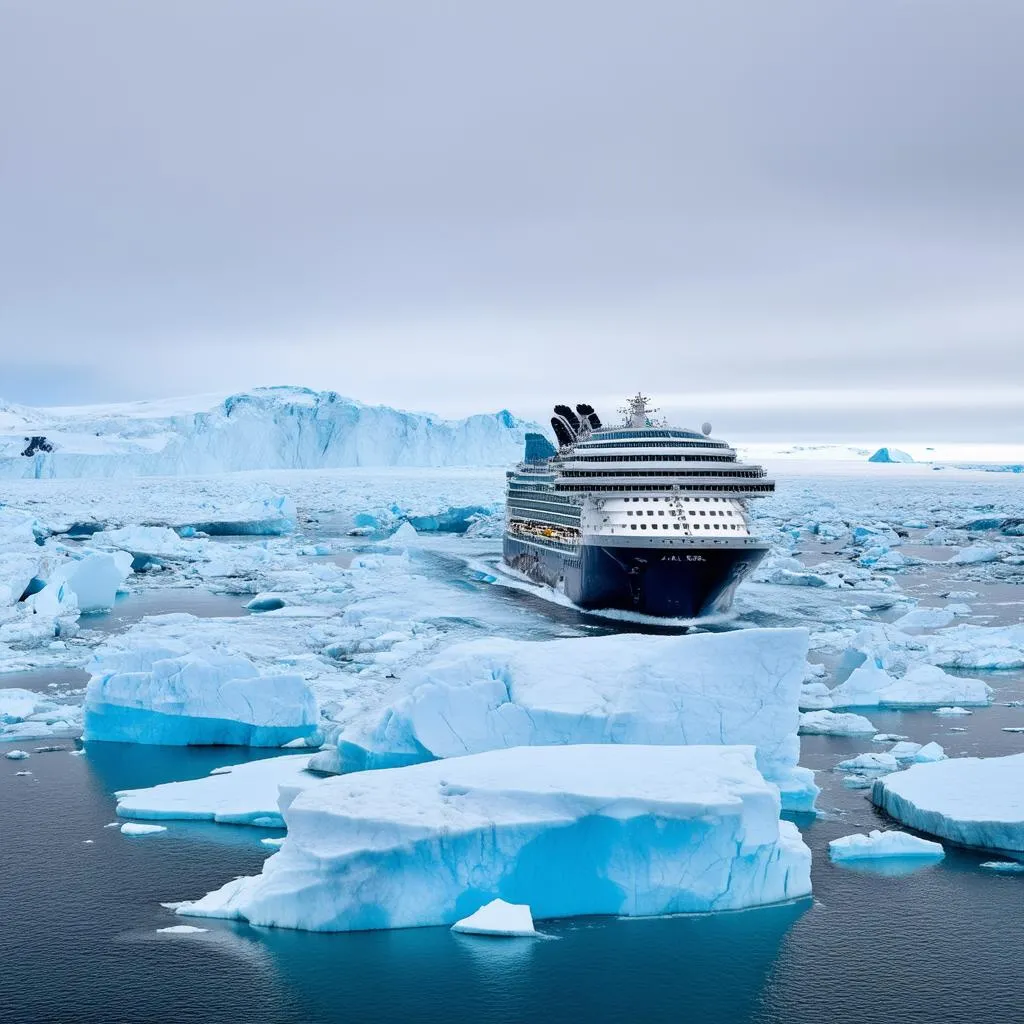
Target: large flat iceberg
[
  {"x": 972, "y": 801},
  {"x": 571, "y": 830},
  {"x": 738, "y": 687},
  {"x": 164, "y": 693}
]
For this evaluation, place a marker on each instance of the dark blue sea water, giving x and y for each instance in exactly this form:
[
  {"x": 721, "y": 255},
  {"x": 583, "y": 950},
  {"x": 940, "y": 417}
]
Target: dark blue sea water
[{"x": 79, "y": 919}]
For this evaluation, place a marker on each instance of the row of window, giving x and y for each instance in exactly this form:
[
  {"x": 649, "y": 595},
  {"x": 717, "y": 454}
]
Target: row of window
[
  {"x": 731, "y": 474},
  {"x": 692, "y": 511},
  {"x": 593, "y": 445},
  {"x": 686, "y": 487},
  {"x": 693, "y": 526},
  {"x": 651, "y": 458},
  {"x": 613, "y": 435}
]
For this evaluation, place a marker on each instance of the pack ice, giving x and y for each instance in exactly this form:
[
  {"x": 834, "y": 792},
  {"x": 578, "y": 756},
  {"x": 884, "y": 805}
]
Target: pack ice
[
  {"x": 972, "y": 801},
  {"x": 165, "y": 693},
  {"x": 736, "y": 687},
  {"x": 572, "y": 830}
]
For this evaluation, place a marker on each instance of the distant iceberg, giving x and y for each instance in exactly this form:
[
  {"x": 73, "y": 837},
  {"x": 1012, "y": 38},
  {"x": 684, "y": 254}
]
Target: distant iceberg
[
  {"x": 890, "y": 455},
  {"x": 567, "y": 831}
]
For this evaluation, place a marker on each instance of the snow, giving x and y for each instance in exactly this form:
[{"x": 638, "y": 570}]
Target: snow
[
  {"x": 498, "y": 918},
  {"x": 266, "y": 428},
  {"x": 167, "y": 693},
  {"x": 567, "y": 830},
  {"x": 690, "y": 689},
  {"x": 831, "y": 723},
  {"x": 970, "y": 801},
  {"x": 131, "y": 828},
  {"x": 883, "y": 844},
  {"x": 241, "y": 794}
]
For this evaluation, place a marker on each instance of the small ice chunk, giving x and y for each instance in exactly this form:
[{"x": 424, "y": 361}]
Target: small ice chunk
[
  {"x": 1005, "y": 867},
  {"x": 905, "y": 751},
  {"x": 273, "y": 841},
  {"x": 888, "y": 737},
  {"x": 498, "y": 918},
  {"x": 952, "y": 711},
  {"x": 1013, "y": 728},
  {"x": 181, "y": 929},
  {"x": 925, "y": 618},
  {"x": 883, "y": 844},
  {"x": 22, "y": 773},
  {"x": 870, "y": 762},
  {"x": 16, "y": 755},
  {"x": 930, "y": 752},
  {"x": 134, "y": 828},
  {"x": 975, "y": 554},
  {"x": 831, "y": 723}
]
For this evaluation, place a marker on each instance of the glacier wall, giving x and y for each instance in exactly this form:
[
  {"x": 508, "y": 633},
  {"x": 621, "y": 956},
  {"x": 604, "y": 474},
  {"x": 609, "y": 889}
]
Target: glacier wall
[
  {"x": 266, "y": 428},
  {"x": 569, "y": 831}
]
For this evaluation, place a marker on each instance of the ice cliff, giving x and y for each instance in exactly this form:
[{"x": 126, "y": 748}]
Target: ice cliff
[{"x": 266, "y": 428}]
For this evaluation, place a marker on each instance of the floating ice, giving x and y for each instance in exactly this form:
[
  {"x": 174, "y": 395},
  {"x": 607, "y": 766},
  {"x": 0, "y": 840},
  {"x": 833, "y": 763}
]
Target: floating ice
[
  {"x": 498, "y": 918},
  {"x": 241, "y": 794},
  {"x": 181, "y": 929},
  {"x": 883, "y": 844},
  {"x": 1005, "y": 867},
  {"x": 149, "y": 544},
  {"x": 971, "y": 801},
  {"x": 951, "y": 712},
  {"x": 925, "y": 618},
  {"x": 870, "y": 685},
  {"x": 570, "y": 830},
  {"x": 162, "y": 694},
  {"x": 976, "y": 554},
  {"x": 16, "y": 755},
  {"x": 870, "y": 762},
  {"x": 131, "y": 828},
  {"x": 930, "y": 752},
  {"x": 629, "y": 688},
  {"x": 270, "y": 516},
  {"x": 94, "y": 579},
  {"x": 831, "y": 723}
]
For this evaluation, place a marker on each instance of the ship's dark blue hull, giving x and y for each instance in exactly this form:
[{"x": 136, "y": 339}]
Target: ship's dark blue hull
[{"x": 652, "y": 581}]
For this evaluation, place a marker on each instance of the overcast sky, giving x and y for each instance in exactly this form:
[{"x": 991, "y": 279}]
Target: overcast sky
[{"x": 797, "y": 219}]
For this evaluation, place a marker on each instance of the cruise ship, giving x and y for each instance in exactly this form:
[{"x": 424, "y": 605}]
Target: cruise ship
[{"x": 642, "y": 517}]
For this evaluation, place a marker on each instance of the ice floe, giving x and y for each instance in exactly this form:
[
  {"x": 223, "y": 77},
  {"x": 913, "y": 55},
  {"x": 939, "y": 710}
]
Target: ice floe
[
  {"x": 500, "y": 919},
  {"x": 131, "y": 828},
  {"x": 241, "y": 794},
  {"x": 883, "y": 844},
  {"x": 488, "y": 694},
  {"x": 971, "y": 801},
  {"x": 832, "y": 723},
  {"x": 166, "y": 693},
  {"x": 636, "y": 830}
]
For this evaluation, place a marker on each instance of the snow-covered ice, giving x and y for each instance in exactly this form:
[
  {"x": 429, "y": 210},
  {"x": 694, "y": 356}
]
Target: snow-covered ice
[
  {"x": 832, "y": 723},
  {"x": 567, "y": 830},
  {"x": 498, "y": 918},
  {"x": 167, "y": 693},
  {"x": 241, "y": 794},
  {"x": 972, "y": 801},
  {"x": 883, "y": 844},
  {"x": 488, "y": 694}
]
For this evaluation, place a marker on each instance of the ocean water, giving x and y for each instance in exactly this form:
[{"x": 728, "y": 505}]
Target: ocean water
[{"x": 80, "y": 904}]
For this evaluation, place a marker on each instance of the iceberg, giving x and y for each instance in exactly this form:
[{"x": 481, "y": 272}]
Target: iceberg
[
  {"x": 240, "y": 794},
  {"x": 890, "y": 455},
  {"x": 923, "y": 686},
  {"x": 94, "y": 580},
  {"x": 925, "y": 618},
  {"x": 883, "y": 844},
  {"x": 740, "y": 687},
  {"x": 261, "y": 517},
  {"x": 498, "y": 918},
  {"x": 975, "y": 554},
  {"x": 164, "y": 693},
  {"x": 971, "y": 801},
  {"x": 568, "y": 831},
  {"x": 831, "y": 723},
  {"x": 870, "y": 762}
]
